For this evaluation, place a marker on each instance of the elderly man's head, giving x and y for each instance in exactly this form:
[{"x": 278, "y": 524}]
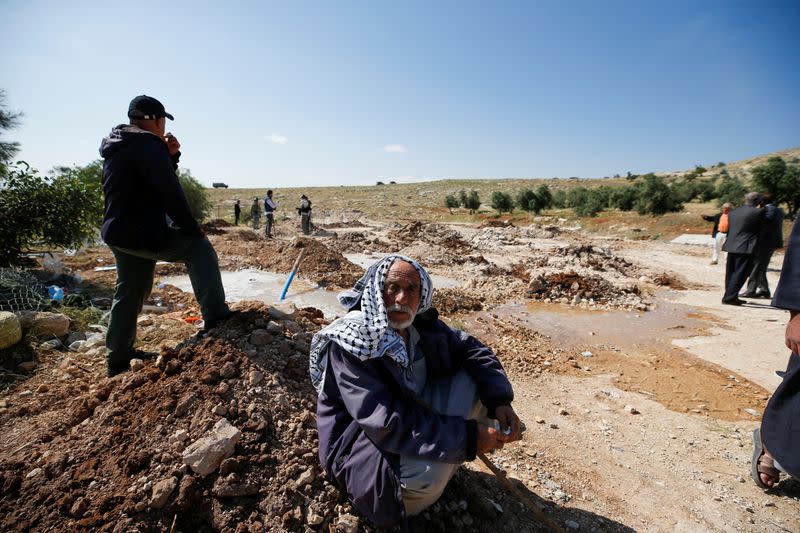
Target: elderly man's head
[
  {"x": 752, "y": 198},
  {"x": 402, "y": 291},
  {"x": 727, "y": 206}
]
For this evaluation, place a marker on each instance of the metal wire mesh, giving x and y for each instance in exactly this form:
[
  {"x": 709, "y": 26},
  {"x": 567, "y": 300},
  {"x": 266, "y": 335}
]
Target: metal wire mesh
[{"x": 21, "y": 291}]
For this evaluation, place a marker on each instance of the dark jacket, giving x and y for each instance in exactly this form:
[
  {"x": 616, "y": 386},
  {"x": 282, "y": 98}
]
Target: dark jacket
[
  {"x": 367, "y": 418},
  {"x": 744, "y": 226},
  {"x": 771, "y": 235},
  {"x": 141, "y": 189},
  {"x": 715, "y": 220},
  {"x": 787, "y": 293}
]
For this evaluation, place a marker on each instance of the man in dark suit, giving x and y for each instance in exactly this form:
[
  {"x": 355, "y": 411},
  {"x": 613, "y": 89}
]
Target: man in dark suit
[
  {"x": 777, "y": 442},
  {"x": 744, "y": 228},
  {"x": 770, "y": 238}
]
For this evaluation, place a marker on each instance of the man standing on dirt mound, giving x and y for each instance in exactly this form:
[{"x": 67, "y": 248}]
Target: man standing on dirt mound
[
  {"x": 744, "y": 226},
  {"x": 403, "y": 398},
  {"x": 147, "y": 218}
]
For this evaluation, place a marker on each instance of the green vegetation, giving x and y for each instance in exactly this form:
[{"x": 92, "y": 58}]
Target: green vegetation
[
  {"x": 57, "y": 211},
  {"x": 196, "y": 196},
  {"x": 730, "y": 189},
  {"x": 8, "y": 121},
  {"x": 781, "y": 181},
  {"x": 502, "y": 202},
  {"x": 470, "y": 201},
  {"x": 451, "y": 202}
]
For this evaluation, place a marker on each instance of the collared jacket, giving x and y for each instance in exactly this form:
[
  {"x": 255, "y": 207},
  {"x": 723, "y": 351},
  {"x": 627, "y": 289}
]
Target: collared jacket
[
  {"x": 141, "y": 190},
  {"x": 367, "y": 417},
  {"x": 744, "y": 226}
]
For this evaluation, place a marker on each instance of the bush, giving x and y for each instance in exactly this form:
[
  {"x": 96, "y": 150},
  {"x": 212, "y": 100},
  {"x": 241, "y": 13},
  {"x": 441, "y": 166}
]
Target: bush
[
  {"x": 527, "y": 200},
  {"x": 559, "y": 199},
  {"x": 502, "y": 202},
  {"x": 199, "y": 205},
  {"x": 451, "y": 202},
  {"x": 57, "y": 211},
  {"x": 591, "y": 203},
  {"x": 545, "y": 196},
  {"x": 655, "y": 197},
  {"x": 472, "y": 201},
  {"x": 781, "y": 181},
  {"x": 577, "y": 196},
  {"x": 624, "y": 198},
  {"x": 730, "y": 189}
]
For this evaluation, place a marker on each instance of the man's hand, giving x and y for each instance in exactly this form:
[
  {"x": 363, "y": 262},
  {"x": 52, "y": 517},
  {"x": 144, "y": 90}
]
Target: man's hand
[
  {"x": 793, "y": 332},
  {"x": 508, "y": 419},
  {"x": 489, "y": 439},
  {"x": 172, "y": 143}
]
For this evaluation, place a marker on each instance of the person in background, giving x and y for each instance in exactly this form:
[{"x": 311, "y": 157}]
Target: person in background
[
  {"x": 720, "y": 230},
  {"x": 744, "y": 228},
  {"x": 255, "y": 212},
  {"x": 237, "y": 212},
  {"x": 269, "y": 209},
  {"x": 770, "y": 238},
  {"x": 147, "y": 219},
  {"x": 305, "y": 214}
]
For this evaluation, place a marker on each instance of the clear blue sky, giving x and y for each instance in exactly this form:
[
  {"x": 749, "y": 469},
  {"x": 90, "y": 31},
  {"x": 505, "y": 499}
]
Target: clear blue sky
[{"x": 328, "y": 93}]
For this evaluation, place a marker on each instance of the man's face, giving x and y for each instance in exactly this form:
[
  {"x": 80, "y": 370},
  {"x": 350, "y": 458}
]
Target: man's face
[
  {"x": 402, "y": 291},
  {"x": 161, "y": 126}
]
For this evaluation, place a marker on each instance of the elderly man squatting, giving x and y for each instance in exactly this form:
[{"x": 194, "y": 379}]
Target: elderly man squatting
[{"x": 399, "y": 395}]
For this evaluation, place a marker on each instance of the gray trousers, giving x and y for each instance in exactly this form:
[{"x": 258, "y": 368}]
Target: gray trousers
[
  {"x": 758, "y": 276},
  {"x": 270, "y": 220},
  {"x": 135, "y": 270},
  {"x": 305, "y": 223},
  {"x": 423, "y": 481}
]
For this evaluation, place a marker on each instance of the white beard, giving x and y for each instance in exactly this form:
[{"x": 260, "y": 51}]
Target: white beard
[{"x": 400, "y": 326}]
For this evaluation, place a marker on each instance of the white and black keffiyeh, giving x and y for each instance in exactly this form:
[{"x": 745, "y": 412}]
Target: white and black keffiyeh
[{"x": 366, "y": 333}]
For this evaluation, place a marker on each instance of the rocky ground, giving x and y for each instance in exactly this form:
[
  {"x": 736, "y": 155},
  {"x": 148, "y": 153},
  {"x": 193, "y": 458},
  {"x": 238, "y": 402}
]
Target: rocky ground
[{"x": 625, "y": 431}]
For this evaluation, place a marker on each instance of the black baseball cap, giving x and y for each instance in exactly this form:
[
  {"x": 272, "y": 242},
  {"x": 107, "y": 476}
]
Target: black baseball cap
[{"x": 147, "y": 107}]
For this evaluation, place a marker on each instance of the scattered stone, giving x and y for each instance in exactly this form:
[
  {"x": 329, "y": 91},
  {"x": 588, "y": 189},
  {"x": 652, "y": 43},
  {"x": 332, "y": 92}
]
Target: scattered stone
[
  {"x": 255, "y": 378},
  {"x": 162, "y": 491},
  {"x": 10, "y": 329},
  {"x": 33, "y": 473},
  {"x": 79, "y": 508},
  {"x": 539, "y": 420},
  {"x": 563, "y": 412},
  {"x": 27, "y": 366},
  {"x": 313, "y": 519},
  {"x": 136, "y": 364},
  {"x": 228, "y": 370},
  {"x": 554, "y": 426},
  {"x": 180, "y": 435},
  {"x": 752, "y": 412},
  {"x": 220, "y": 410},
  {"x": 305, "y": 478},
  {"x": 587, "y": 354},
  {"x": 571, "y": 524},
  {"x": 144, "y": 320},
  {"x": 260, "y": 337},
  {"x": 45, "y": 323},
  {"x": 347, "y": 523},
  {"x": 283, "y": 311},
  {"x": 205, "y": 455},
  {"x": 631, "y": 410}
]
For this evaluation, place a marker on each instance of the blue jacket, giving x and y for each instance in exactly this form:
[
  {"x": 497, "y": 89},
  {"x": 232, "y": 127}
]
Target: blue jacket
[
  {"x": 367, "y": 418},
  {"x": 141, "y": 189}
]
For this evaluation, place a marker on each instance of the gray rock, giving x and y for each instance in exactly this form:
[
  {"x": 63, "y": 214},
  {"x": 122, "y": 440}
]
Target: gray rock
[
  {"x": 571, "y": 524},
  {"x": 45, "y": 323},
  {"x": 77, "y": 346},
  {"x": 228, "y": 370},
  {"x": 282, "y": 311},
  {"x": 347, "y": 523},
  {"x": 162, "y": 491},
  {"x": 75, "y": 336},
  {"x": 79, "y": 508},
  {"x": 274, "y": 328},
  {"x": 27, "y": 366},
  {"x": 205, "y": 455},
  {"x": 50, "y": 345},
  {"x": 10, "y": 329},
  {"x": 313, "y": 519},
  {"x": 255, "y": 378},
  {"x": 136, "y": 364}
]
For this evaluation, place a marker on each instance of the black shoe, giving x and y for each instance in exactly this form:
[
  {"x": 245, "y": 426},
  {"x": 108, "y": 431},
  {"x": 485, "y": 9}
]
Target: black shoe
[
  {"x": 208, "y": 325},
  {"x": 764, "y": 295},
  {"x": 780, "y": 373},
  {"x": 115, "y": 370},
  {"x": 737, "y": 301},
  {"x": 748, "y": 294}
]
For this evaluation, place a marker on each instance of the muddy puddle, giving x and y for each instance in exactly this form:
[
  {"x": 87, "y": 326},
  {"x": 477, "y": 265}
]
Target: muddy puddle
[
  {"x": 637, "y": 349},
  {"x": 264, "y": 286}
]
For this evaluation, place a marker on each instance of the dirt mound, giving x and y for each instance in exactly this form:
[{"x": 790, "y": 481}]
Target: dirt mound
[
  {"x": 496, "y": 223},
  {"x": 320, "y": 264},
  {"x": 218, "y": 223},
  {"x": 587, "y": 256},
  {"x": 571, "y": 287},
  {"x": 82, "y": 452},
  {"x": 455, "y": 300},
  {"x": 435, "y": 234},
  {"x": 358, "y": 242}
]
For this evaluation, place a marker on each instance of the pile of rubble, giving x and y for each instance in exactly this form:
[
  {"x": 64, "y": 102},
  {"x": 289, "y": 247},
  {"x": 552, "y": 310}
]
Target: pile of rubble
[
  {"x": 586, "y": 257},
  {"x": 432, "y": 234},
  {"x": 585, "y": 291},
  {"x": 493, "y": 236}
]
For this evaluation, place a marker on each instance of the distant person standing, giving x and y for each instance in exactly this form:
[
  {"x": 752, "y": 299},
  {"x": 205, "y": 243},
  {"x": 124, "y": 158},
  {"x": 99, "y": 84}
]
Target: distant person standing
[
  {"x": 720, "y": 231},
  {"x": 269, "y": 209},
  {"x": 770, "y": 238},
  {"x": 237, "y": 212},
  {"x": 745, "y": 225},
  {"x": 255, "y": 212},
  {"x": 305, "y": 214}
]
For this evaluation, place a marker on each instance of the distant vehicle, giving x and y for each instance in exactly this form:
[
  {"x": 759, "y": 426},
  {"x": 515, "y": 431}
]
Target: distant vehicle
[{"x": 219, "y": 185}]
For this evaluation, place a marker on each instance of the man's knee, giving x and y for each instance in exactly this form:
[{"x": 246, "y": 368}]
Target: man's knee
[{"x": 425, "y": 484}]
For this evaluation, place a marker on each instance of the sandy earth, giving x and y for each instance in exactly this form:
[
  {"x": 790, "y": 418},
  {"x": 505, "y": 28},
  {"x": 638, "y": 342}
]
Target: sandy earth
[{"x": 697, "y": 375}]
